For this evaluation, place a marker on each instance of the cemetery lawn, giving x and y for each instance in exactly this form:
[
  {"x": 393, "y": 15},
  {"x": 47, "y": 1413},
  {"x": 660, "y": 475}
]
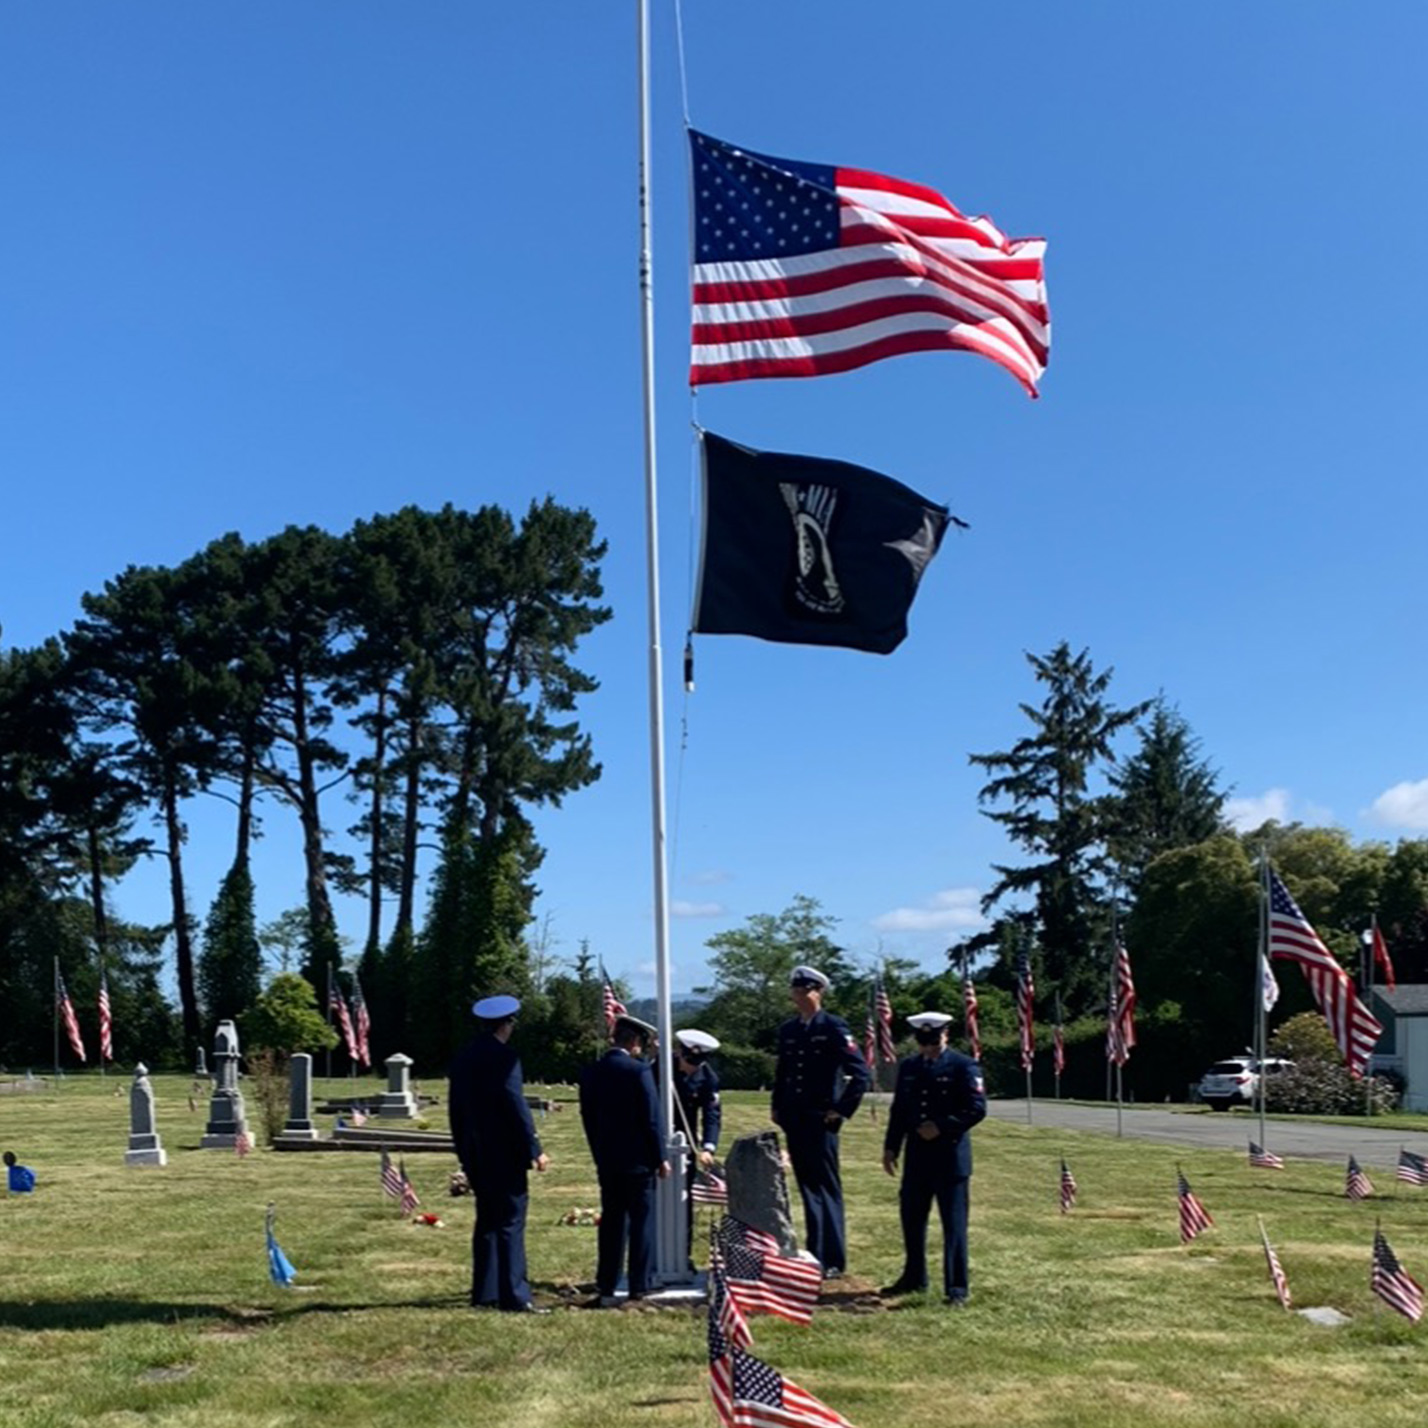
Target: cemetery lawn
[{"x": 140, "y": 1295}]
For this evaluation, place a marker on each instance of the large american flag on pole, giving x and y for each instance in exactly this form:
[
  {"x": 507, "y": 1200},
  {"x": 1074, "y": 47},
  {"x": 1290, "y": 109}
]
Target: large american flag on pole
[
  {"x": 804, "y": 269},
  {"x": 878, "y": 1038},
  {"x": 610, "y": 1004},
  {"x": 1120, "y": 1024},
  {"x": 762, "y": 1279},
  {"x": 66, "y": 1013},
  {"x": 1354, "y": 1027},
  {"x": 106, "y": 1019},
  {"x": 1025, "y": 996},
  {"x": 969, "y": 1008},
  {"x": 344, "y": 1022},
  {"x": 361, "y": 1024}
]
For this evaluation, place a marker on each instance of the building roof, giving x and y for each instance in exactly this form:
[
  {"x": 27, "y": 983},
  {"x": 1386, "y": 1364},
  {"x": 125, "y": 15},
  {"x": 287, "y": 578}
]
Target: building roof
[{"x": 1409, "y": 999}]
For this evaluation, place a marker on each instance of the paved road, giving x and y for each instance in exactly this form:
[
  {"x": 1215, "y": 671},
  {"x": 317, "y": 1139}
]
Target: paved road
[{"x": 1230, "y": 1130}]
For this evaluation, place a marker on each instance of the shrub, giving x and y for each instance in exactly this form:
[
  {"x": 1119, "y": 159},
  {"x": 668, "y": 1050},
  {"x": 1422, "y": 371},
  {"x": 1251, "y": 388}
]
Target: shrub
[{"x": 1325, "y": 1088}]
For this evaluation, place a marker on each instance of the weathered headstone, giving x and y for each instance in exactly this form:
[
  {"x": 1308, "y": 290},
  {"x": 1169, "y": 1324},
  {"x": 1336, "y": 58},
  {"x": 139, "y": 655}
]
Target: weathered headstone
[
  {"x": 299, "y": 1124},
  {"x": 758, "y": 1188},
  {"x": 144, "y": 1145},
  {"x": 200, "y": 1067},
  {"x": 397, "y": 1101},
  {"x": 226, "y": 1120}
]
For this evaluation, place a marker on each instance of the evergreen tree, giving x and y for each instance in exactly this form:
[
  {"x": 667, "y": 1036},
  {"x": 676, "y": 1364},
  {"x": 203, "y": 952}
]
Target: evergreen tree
[
  {"x": 230, "y": 966},
  {"x": 1165, "y": 797},
  {"x": 1053, "y": 815}
]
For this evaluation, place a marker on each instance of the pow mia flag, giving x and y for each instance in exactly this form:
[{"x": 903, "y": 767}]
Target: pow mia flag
[{"x": 807, "y": 551}]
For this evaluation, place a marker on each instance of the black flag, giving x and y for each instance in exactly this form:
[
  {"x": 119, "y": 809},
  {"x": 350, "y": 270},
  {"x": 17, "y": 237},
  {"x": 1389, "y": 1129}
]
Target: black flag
[{"x": 808, "y": 551}]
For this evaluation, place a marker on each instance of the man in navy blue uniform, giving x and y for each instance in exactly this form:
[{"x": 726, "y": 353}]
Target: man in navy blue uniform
[
  {"x": 620, "y": 1110},
  {"x": 819, "y": 1081},
  {"x": 939, "y": 1098},
  {"x": 497, "y": 1145}
]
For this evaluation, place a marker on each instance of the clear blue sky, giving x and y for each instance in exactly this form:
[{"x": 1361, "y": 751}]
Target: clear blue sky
[{"x": 267, "y": 264}]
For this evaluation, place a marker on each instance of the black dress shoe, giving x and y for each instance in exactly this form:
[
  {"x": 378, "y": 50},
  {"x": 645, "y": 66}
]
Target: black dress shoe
[{"x": 903, "y": 1286}]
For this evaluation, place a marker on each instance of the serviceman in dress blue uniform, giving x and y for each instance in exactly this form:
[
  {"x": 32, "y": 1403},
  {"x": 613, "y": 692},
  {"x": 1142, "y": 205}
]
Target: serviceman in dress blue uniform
[
  {"x": 497, "y": 1145},
  {"x": 698, "y": 1113},
  {"x": 620, "y": 1110},
  {"x": 939, "y": 1098},
  {"x": 819, "y": 1081}
]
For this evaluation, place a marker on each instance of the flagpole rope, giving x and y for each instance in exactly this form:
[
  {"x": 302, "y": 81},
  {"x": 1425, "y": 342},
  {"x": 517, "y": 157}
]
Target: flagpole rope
[{"x": 683, "y": 74}]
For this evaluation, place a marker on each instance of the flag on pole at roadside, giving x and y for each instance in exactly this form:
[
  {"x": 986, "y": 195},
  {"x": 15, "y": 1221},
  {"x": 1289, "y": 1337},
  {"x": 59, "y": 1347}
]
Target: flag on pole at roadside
[
  {"x": 1354, "y": 1027},
  {"x": 1276, "y": 1270},
  {"x": 66, "y": 1012},
  {"x": 1357, "y": 1185},
  {"x": 1120, "y": 1024},
  {"x": 1412, "y": 1168},
  {"x": 1068, "y": 1187},
  {"x": 1194, "y": 1217},
  {"x": 1392, "y": 1283},
  {"x": 106, "y": 1019},
  {"x": 1264, "y": 1159},
  {"x": 969, "y": 1009},
  {"x": 338, "y": 1003},
  {"x": 1025, "y": 996},
  {"x": 391, "y": 1180},
  {"x": 1058, "y": 1042},
  {"x": 803, "y": 269},
  {"x": 361, "y": 1026},
  {"x": 1268, "y": 987},
  {"x": 280, "y": 1268},
  {"x": 1380, "y": 955},
  {"x": 809, "y": 551}
]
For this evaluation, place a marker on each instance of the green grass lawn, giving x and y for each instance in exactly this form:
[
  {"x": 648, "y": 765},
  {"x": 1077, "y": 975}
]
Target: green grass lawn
[{"x": 140, "y": 1295}]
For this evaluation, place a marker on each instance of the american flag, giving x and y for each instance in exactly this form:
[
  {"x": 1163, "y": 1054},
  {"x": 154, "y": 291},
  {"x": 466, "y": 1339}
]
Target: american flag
[
  {"x": 1058, "y": 1041},
  {"x": 1276, "y": 1270},
  {"x": 1194, "y": 1217},
  {"x": 1268, "y": 987},
  {"x": 1264, "y": 1159},
  {"x": 391, "y": 1179},
  {"x": 1392, "y": 1283},
  {"x": 361, "y": 1026},
  {"x": 708, "y": 1189},
  {"x": 1120, "y": 1024},
  {"x": 727, "y": 1325},
  {"x": 1290, "y": 936},
  {"x": 409, "y": 1197},
  {"x": 1412, "y": 1168},
  {"x": 66, "y": 1011},
  {"x": 1068, "y": 1188},
  {"x": 969, "y": 1006},
  {"x": 764, "y": 1280},
  {"x": 611, "y": 1004},
  {"x": 1025, "y": 996},
  {"x": 106, "y": 1019},
  {"x": 344, "y": 1021},
  {"x": 878, "y": 1039},
  {"x": 1380, "y": 955},
  {"x": 804, "y": 269},
  {"x": 1357, "y": 1185},
  {"x": 357, "y": 1117},
  {"x": 242, "y": 1144}
]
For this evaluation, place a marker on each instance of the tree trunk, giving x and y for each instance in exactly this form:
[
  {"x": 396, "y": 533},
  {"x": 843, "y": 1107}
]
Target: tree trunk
[
  {"x": 319, "y": 905},
  {"x": 374, "y": 871},
  {"x": 96, "y": 894},
  {"x": 183, "y": 941},
  {"x": 411, "y": 820},
  {"x": 245, "y": 805}
]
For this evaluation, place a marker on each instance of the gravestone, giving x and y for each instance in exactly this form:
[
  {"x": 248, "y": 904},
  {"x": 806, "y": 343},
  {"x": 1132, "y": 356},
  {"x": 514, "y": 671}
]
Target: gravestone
[
  {"x": 226, "y": 1120},
  {"x": 758, "y": 1188},
  {"x": 200, "y": 1067},
  {"x": 144, "y": 1146},
  {"x": 299, "y": 1124},
  {"x": 397, "y": 1101}
]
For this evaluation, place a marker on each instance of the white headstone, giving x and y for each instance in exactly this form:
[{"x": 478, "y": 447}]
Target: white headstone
[{"x": 144, "y": 1145}]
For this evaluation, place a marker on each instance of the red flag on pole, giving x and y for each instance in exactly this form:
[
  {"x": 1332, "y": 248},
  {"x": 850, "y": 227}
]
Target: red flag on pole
[{"x": 66, "y": 1011}]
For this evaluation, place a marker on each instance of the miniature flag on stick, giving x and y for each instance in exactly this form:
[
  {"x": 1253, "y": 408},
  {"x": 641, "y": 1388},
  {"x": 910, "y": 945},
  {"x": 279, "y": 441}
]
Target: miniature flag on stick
[
  {"x": 280, "y": 1269},
  {"x": 408, "y": 1192},
  {"x": 1392, "y": 1283},
  {"x": 242, "y": 1144},
  {"x": 762, "y": 1279},
  {"x": 1263, "y": 1158},
  {"x": 1068, "y": 1187},
  {"x": 709, "y": 1189},
  {"x": 1194, "y": 1217},
  {"x": 1413, "y": 1169},
  {"x": 1357, "y": 1185},
  {"x": 391, "y": 1180},
  {"x": 1276, "y": 1270}
]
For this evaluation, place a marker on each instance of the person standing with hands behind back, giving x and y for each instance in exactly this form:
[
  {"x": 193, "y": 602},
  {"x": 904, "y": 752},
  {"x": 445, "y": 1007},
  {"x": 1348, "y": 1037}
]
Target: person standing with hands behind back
[
  {"x": 818, "y": 1082},
  {"x": 497, "y": 1144},
  {"x": 939, "y": 1098}
]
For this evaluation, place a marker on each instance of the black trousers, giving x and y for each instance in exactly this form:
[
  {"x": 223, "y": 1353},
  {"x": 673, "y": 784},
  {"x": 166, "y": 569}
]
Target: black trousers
[
  {"x": 813, "y": 1149},
  {"x": 498, "y": 1247},
  {"x": 923, "y": 1181},
  {"x": 626, "y": 1214}
]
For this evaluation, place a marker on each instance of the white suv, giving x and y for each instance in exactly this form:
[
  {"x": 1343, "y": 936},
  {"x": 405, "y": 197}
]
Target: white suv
[{"x": 1235, "y": 1082}]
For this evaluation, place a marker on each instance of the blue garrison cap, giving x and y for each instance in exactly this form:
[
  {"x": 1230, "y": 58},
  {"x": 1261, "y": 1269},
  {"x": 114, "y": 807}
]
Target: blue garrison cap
[
  {"x": 496, "y": 1008},
  {"x": 808, "y": 977}
]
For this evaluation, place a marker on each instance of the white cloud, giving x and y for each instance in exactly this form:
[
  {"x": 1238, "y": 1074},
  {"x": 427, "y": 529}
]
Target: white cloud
[
  {"x": 1405, "y": 805},
  {"x": 678, "y": 907},
  {"x": 951, "y": 909},
  {"x": 1245, "y": 814}
]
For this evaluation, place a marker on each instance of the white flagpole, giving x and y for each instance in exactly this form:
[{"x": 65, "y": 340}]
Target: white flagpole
[
  {"x": 671, "y": 1251},
  {"x": 1261, "y": 1021}
]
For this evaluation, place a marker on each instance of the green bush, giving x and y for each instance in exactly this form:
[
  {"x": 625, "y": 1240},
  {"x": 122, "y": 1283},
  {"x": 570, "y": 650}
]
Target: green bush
[
  {"x": 744, "y": 1068},
  {"x": 1325, "y": 1088}
]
